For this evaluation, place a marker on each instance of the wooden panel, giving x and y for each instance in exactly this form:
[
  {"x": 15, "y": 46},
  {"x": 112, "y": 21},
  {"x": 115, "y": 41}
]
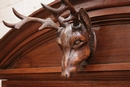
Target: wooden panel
[
  {"x": 31, "y": 58},
  {"x": 85, "y": 68},
  {"x": 80, "y": 76},
  {"x": 112, "y": 44},
  {"x": 18, "y": 52},
  {"x": 112, "y": 47},
  {"x": 107, "y": 72},
  {"x": 47, "y": 54},
  {"x": 66, "y": 84}
]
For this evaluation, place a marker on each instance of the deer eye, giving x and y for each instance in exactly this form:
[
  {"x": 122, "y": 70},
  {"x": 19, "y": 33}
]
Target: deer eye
[{"x": 77, "y": 42}]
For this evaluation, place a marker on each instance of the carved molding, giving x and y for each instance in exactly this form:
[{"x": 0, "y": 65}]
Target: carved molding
[
  {"x": 107, "y": 18},
  {"x": 21, "y": 44}
]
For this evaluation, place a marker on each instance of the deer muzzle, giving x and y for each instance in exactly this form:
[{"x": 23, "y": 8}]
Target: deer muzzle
[
  {"x": 70, "y": 65},
  {"x": 69, "y": 72}
]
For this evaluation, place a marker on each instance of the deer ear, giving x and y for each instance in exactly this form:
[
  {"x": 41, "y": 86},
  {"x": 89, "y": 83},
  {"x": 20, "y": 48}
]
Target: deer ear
[{"x": 84, "y": 18}]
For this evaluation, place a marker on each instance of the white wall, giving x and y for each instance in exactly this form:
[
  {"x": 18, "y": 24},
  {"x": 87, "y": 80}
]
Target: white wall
[{"x": 25, "y": 7}]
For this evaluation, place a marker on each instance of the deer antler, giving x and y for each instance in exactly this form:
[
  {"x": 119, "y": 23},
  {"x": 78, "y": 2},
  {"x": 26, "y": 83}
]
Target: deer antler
[
  {"x": 45, "y": 22},
  {"x": 65, "y": 5}
]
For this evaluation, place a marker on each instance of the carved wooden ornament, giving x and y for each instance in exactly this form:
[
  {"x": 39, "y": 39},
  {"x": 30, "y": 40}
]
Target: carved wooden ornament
[{"x": 75, "y": 37}]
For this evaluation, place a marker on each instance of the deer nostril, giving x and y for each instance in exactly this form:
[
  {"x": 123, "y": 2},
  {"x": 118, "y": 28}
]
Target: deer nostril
[{"x": 65, "y": 75}]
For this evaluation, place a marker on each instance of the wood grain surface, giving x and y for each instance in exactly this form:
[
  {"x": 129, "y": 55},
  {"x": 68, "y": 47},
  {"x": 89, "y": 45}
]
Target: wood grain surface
[{"x": 32, "y": 58}]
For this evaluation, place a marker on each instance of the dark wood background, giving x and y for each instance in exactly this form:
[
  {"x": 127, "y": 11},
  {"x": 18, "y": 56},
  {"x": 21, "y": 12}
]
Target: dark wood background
[{"x": 32, "y": 58}]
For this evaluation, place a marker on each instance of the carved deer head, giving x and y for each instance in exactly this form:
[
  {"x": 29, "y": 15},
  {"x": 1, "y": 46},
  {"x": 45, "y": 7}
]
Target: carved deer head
[{"x": 75, "y": 37}]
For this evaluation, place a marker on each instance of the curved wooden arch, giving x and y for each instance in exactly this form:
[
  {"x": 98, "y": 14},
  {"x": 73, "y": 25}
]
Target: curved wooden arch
[
  {"x": 26, "y": 51},
  {"x": 17, "y": 42}
]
